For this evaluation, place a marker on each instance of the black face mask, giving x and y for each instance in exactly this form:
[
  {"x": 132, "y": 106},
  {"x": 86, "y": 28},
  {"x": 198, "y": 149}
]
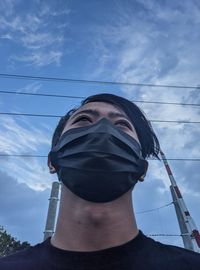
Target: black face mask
[{"x": 98, "y": 163}]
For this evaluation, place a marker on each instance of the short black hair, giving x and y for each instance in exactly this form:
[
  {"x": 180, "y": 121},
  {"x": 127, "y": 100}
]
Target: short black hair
[{"x": 149, "y": 142}]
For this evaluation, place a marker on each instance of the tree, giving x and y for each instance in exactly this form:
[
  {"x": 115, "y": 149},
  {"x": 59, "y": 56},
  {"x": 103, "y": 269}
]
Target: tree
[{"x": 9, "y": 244}]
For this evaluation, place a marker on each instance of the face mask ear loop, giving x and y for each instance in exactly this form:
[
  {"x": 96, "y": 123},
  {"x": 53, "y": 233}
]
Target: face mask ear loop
[
  {"x": 141, "y": 179},
  {"x": 52, "y": 169}
]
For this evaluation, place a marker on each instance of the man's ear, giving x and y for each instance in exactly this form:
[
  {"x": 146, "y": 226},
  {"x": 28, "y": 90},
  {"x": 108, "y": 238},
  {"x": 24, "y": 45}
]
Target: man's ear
[
  {"x": 146, "y": 168},
  {"x": 51, "y": 167}
]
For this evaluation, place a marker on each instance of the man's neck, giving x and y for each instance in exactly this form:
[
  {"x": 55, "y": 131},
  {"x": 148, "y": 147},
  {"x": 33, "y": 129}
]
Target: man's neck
[{"x": 86, "y": 226}]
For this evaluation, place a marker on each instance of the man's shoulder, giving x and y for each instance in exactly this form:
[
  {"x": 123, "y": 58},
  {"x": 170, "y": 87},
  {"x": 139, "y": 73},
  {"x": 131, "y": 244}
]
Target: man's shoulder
[
  {"x": 24, "y": 259},
  {"x": 172, "y": 249},
  {"x": 174, "y": 255}
]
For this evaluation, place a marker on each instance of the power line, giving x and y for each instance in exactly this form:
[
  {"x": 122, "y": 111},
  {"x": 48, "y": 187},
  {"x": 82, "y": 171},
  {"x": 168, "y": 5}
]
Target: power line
[
  {"x": 154, "y": 209},
  {"x": 67, "y": 80},
  {"x": 23, "y": 155},
  {"x": 31, "y": 114},
  {"x": 81, "y": 97},
  {"x": 179, "y": 159},
  {"x": 45, "y": 156},
  {"x": 163, "y": 234},
  {"x": 42, "y": 94},
  {"x": 175, "y": 121},
  {"x": 59, "y": 116}
]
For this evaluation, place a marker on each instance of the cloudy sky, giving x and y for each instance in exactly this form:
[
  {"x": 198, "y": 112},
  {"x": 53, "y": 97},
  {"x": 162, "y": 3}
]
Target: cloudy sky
[{"x": 149, "y": 42}]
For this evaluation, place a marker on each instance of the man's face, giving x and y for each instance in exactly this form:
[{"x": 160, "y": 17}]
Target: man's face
[{"x": 92, "y": 112}]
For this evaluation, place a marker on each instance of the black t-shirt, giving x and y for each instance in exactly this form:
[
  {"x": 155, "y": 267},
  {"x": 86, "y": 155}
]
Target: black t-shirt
[{"x": 141, "y": 253}]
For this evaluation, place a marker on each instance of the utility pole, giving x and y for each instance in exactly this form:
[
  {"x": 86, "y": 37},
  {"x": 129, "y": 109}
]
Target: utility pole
[
  {"x": 189, "y": 231},
  {"x": 51, "y": 216}
]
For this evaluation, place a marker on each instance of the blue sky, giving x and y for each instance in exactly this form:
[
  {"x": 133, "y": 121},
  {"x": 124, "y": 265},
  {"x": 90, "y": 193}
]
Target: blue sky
[{"x": 154, "y": 42}]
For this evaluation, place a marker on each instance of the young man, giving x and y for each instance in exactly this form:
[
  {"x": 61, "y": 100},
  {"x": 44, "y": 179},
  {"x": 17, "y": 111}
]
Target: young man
[{"x": 99, "y": 153}]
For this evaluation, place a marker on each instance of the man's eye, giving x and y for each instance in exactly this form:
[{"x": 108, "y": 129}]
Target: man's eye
[
  {"x": 123, "y": 124},
  {"x": 82, "y": 119}
]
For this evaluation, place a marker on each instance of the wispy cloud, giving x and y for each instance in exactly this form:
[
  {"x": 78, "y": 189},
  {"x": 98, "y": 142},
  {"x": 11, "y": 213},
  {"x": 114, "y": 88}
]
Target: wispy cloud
[
  {"x": 23, "y": 138},
  {"x": 6, "y": 6},
  {"x": 31, "y": 88},
  {"x": 40, "y": 58},
  {"x": 39, "y": 36},
  {"x": 158, "y": 45}
]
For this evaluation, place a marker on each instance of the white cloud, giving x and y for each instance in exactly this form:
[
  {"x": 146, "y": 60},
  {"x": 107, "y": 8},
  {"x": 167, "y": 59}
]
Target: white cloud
[
  {"x": 30, "y": 88},
  {"x": 6, "y": 36},
  {"x": 23, "y": 138},
  {"x": 40, "y": 37},
  {"x": 38, "y": 40},
  {"x": 148, "y": 48},
  {"x": 28, "y": 139},
  {"x": 40, "y": 58},
  {"x": 31, "y": 171},
  {"x": 57, "y": 9},
  {"x": 159, "y": 44},
  {"x": 6, "y": 6}
]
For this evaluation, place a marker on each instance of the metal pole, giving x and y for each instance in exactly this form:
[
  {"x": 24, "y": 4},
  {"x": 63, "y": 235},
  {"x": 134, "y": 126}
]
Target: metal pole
[
  {"x": 183, "y": 228},
  {"x": 51, "y": 216},
  {"x": 186, "y": 221}
]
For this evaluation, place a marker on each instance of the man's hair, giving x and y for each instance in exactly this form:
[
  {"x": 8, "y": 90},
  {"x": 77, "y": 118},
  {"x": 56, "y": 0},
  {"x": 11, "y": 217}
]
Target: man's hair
[{"x": 148, "y": 140}]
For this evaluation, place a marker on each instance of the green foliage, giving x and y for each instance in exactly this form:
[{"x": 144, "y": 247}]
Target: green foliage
[{"x": 9, "y": 244}]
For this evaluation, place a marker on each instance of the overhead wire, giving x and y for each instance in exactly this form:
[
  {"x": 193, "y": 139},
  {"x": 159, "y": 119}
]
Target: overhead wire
[
  {"x": 67, "y": 80},
  {"x": 59, "y": 116},
  {"x": 164, "y": 234},
  {"x": 155, "y": 209},
  {"x": 82, "y": 97},
  {"x": 5, "y": 75}
]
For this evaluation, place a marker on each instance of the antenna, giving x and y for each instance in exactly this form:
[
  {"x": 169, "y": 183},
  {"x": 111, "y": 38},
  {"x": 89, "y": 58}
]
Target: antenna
[{"x": 188, "y": 228}]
